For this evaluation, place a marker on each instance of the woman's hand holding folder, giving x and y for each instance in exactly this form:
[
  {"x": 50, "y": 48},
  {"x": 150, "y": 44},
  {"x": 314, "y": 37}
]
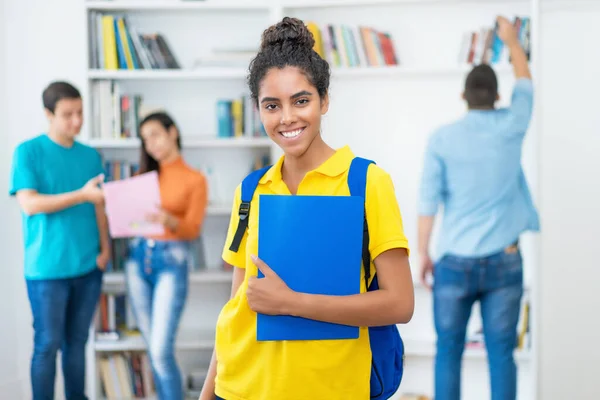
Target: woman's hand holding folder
[{"x": 269, "y": 294}]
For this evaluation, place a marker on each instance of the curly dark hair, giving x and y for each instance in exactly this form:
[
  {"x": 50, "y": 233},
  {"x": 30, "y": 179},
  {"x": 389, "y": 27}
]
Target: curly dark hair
[{"x": 289, "y": 43}]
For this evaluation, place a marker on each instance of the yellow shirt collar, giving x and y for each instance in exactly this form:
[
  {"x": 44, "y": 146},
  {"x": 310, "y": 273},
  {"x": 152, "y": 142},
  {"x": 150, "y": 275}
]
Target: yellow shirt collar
[{"x": 335, "y": 165}]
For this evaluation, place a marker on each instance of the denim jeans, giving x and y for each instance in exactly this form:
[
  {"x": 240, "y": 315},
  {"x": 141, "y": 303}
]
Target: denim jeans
[
  {"x": 157, "y": 285},
  {"x": 62, "y": 314},
  {"x": 496, "y": 282}
]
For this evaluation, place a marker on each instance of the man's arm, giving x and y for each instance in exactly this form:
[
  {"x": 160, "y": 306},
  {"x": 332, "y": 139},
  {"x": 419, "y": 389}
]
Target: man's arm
[
  {"x": 104, "y": 256},
  {"x": 32, "y": 202},
  {"x": 430, "y": 196},
  {"x": 509, "y": 35},
  {"x": 425, "y": 227}
]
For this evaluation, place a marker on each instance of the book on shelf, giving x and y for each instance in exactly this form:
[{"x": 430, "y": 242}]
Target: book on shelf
[
  {"x": 226, "y": 58},
  {"x": 115, "y": 114},
  {"x": 115, "y": 318},
  {"x": 353, "y": 46},
  {"x": 126, "y": 375},
  {"x": 115, "y": 43},
  {"x": 238, "y": 117},
  {"x": 484, "y": 46}
]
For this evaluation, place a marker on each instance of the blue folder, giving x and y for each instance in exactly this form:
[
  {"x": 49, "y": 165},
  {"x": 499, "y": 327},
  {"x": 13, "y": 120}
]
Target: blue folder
[{"x": 314, "y": 243}]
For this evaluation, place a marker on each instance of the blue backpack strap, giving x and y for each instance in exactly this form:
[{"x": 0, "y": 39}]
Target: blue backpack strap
[
  {"x": 387, "y": 347},
  {"x": 249, "y": 185},
  {"x": 357, "y": 183}
]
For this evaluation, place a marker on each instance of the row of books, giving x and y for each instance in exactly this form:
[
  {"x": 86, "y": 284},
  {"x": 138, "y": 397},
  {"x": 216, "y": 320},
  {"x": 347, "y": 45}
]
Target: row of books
[
  {"x": 238, "y": 117},
  {"x": 116, "y": 44},
  {"x": 485, "y": 46},
  {"x": 126, "y": 375},
  {"x": 115, "y": 114},
  {"x": 115, "y": 317},
  {"x": 353, "y": 46}
]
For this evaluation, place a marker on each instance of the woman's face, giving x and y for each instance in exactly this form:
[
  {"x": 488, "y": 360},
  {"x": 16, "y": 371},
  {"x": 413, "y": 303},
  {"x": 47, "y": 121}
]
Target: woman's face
[
  {"x": 290, "y": 109},
  {"x": 159, "y": 142}
]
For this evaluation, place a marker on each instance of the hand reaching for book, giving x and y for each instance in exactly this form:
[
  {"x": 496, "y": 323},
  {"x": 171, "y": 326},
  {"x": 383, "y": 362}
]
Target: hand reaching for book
[{"x": 507, "y": 31}]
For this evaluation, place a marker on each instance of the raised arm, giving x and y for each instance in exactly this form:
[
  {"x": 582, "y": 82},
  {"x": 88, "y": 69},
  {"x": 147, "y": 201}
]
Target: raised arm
[{"x": 509, "y": 35}]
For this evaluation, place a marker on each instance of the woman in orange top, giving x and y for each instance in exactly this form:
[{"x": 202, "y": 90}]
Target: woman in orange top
[{"x": 157, "y": 268}]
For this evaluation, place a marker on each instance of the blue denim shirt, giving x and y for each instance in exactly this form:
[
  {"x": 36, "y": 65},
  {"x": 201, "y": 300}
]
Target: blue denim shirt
[{"x": 472, "y": 168}]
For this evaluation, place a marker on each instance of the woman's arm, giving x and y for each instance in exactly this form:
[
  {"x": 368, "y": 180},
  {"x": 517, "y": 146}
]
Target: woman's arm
[
  {"x": 188, "y": 227},
  {"x": 208, "y": 389},
  {"x": 393, "y": 303}
]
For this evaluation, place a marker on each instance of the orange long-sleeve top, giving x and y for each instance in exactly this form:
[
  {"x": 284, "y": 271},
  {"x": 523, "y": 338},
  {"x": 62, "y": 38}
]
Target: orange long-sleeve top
[{"x": 184, "y": 195}]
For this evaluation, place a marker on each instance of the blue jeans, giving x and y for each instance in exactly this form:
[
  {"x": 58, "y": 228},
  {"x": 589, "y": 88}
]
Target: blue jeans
[
  {"x": 497, "y": 282},
  {"x": 157, "y": 285},
  {"x": 62, "y": 314}
]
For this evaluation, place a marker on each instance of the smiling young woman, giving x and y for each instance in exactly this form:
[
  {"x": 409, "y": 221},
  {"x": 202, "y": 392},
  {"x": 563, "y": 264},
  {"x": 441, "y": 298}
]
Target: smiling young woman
[{"x": 289, "y": 82}]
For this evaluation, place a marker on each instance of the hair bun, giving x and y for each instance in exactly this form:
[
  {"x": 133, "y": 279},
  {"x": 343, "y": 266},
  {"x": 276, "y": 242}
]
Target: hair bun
[{"x": 291, "y": 31}]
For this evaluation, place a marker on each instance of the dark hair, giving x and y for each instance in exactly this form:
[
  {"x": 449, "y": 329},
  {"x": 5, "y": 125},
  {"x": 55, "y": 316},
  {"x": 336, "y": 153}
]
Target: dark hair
[
  {"x": 289, "y": 43},
  {"x": 147, "y": 162},
  {"x": 481, "y": 87},
  {"x": 57, "y": 91}
]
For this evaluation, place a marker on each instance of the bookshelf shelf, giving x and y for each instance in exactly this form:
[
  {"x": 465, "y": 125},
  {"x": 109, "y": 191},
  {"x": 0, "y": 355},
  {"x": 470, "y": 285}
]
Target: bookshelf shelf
[
  {"x": 401, "y": 71},
  {"x": 218, "y": 210},
  {"x": 426, "y": 348},
  {"x": 169, "y": 74},
  {"x": 206, "y": 276},
  {"x": 357, "y": 3},
  {"x": 185, "y": 341},
  {"x": 189, "y": 143},
  {"x": 240, "y": 73},
  {"x": 175, "y": 5}
]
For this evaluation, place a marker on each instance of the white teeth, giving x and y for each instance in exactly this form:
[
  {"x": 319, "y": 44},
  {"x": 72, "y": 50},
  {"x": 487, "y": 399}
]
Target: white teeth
[{"x": 292, "y": 134}]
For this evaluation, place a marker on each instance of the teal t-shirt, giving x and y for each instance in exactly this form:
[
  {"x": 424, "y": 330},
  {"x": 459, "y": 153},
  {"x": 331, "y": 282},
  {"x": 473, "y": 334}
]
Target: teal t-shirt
[{"x": 62, "y": 244}]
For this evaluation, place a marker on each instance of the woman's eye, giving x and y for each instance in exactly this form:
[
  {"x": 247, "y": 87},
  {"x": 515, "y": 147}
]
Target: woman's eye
[
  {"x": 302, "y": 101},
  {"x": 270, "y": 106}
]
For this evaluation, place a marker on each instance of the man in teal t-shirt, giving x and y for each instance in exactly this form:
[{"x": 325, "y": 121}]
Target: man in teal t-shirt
[{"x": 56, "y": 181}]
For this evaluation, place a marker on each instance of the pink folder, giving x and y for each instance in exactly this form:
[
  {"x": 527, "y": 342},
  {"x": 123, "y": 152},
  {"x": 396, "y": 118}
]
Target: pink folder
[{"x": 128, "y": 201}]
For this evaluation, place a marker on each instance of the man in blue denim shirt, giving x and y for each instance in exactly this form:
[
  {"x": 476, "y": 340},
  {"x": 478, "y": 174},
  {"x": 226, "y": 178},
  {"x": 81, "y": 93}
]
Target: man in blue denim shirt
[{"x": 473, "y": 169}]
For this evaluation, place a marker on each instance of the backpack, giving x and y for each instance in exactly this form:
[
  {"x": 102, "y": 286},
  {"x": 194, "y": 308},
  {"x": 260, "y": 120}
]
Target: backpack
[{"x": 387, "y": 347}]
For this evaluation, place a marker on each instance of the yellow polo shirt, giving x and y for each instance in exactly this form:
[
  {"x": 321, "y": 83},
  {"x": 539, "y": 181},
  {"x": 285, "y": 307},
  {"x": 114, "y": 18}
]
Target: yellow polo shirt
[{"x": 312, "y": 369}]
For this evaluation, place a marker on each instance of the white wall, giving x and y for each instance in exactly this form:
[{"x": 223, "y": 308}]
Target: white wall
[
  {"x": 49, "y": 45},
  {"x": 10, "y": 380},
  {"x": 569, "y": 275}
]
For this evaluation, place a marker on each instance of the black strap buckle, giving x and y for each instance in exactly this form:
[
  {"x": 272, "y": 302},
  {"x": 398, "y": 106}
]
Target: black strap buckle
[{"x": 244, "y": 210}]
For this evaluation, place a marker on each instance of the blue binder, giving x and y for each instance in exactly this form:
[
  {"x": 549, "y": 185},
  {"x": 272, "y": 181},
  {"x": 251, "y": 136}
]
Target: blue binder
[{"x": 314, "y": 244}]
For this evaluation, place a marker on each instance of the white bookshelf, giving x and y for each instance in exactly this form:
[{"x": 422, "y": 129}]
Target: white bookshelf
[
  {"x": 383, "y": 113},
  {"x": 176, "y": 5},
  {"x": 194, "y": 142},
  {"x": 210, "y": 275},
  {"x": 185, "y": 341},
  {"x": 236, "y": 73}
]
